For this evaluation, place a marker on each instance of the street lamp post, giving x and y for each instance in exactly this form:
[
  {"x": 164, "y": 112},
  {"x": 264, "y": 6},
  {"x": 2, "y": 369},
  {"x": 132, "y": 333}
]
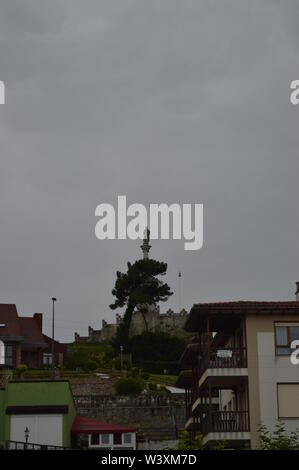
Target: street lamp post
[
  {"x": 26, "y": 432},
  {"x": 53, "y": 353},
  {"x": 121, "y": 357}
]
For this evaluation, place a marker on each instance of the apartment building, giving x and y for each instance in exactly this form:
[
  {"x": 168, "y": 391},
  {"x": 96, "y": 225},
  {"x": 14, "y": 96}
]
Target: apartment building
[{"x": 238, "y": 373}]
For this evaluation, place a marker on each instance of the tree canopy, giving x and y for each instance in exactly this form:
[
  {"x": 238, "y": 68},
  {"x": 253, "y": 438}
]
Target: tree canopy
[{"x": 140, "y": 285}]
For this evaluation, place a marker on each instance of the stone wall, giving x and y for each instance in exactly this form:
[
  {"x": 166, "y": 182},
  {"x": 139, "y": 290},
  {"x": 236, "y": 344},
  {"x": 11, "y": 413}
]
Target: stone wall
[
  {"x": 153, "y": 320},
  {"x": 169, "y": 322},
  {"x": 157, "y": 417},
  {"x": 92, "y": 386}
]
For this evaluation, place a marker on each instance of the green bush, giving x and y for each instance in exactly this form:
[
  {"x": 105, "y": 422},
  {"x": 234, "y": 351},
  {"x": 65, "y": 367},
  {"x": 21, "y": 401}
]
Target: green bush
[
  {"x": 21, "y": 369},
  {"x": 152, "y": 386},
  {"x": 129, "y": 386},
  {"x": 186, "y": 443},
  {"x": 83, "y": 352},
  {"x": 279, "y": 439},
  {"x": 158, "y": 346}
]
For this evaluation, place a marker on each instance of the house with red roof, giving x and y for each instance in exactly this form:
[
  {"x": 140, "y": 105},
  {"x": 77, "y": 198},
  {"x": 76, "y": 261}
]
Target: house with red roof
[
  {"x": 23, "y": 342},
  {"x": 103, "y": 436},
  {"x": 41, "y": 414}
]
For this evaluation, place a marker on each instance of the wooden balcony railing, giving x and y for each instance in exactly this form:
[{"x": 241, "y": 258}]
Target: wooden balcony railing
[
  {"x": 225, "y": 421},
  {"x": 223, "y": 358}
]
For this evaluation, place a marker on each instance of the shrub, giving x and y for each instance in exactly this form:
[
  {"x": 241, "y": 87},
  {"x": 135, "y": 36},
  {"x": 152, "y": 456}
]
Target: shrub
[
  {"x": 21, "y": 369},
  {"x": 78, "y": 360},
  {"x": 156, "y": 346},
  {"x": 152, "y": 386},
  {"x": 186, "y": 443},
  {"x": 279, "y": 439},
  {"x": 129, "y": 386},
  {"x": 83, "y": 352},
  {"x": 163, "y": 388}
]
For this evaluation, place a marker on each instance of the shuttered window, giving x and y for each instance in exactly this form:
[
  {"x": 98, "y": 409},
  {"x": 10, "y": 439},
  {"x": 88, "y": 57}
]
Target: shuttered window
[{"x": 288, "y": 400}]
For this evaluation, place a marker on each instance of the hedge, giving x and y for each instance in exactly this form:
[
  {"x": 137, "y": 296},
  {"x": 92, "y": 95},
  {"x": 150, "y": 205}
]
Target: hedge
[{"x": 129, "y": 386}]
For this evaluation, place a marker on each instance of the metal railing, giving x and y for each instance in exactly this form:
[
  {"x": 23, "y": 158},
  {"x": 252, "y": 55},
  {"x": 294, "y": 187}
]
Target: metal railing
[
  {"x": 17, "y": 445},
  {"x": 225, "y": 421}
]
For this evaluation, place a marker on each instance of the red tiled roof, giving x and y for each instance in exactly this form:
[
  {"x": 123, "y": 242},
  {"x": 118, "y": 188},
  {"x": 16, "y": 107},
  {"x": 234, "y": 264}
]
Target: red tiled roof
[
  {"x": 58, "y": 347},
  {"x": 82, "y": 425},
  {"x": 9, "y": 318},
  {"x": 31, "y": 332},
  {"x": 253, "y": 304},
  {"x": 240, "y": 308}
]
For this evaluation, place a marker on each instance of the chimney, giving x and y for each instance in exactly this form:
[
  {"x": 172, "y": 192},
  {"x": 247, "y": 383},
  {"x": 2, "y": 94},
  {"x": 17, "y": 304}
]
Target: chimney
[
  {"x": 297, "y": 291},
  {"x": 38, "y": 317}
]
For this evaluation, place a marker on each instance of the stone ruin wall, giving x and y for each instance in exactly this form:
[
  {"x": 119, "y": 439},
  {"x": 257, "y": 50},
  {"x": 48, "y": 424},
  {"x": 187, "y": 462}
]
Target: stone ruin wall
[{"x": 169, "y": 322}]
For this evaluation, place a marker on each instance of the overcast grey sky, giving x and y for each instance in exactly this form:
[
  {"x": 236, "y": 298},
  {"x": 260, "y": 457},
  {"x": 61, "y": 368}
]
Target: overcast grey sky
[{"x": 162, "y": 101}]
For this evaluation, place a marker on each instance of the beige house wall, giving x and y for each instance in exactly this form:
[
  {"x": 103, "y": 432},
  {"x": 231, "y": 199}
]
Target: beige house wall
[{"x": 256, "y": 324}]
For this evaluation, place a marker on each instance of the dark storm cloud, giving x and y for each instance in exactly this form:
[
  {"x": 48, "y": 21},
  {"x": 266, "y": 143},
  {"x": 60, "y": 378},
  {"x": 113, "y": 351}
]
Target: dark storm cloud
[{"x": 163, "y": 101}]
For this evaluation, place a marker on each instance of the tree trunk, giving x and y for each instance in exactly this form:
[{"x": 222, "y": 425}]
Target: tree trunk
[
  {"x": 144, "y": 319},
  {"x": 126, "y": 324}
]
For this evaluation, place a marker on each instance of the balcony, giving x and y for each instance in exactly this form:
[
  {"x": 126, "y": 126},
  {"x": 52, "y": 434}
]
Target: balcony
[
  {"x": 224, "y": 358},
  {"x": 225, "y": 421},
  {"x": 229, "y": 426},
  {"x": 225, "y": 365}
]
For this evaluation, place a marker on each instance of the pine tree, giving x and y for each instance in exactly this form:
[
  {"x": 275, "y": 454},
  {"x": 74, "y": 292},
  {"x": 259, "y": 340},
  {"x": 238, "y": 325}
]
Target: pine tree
[{"x": 140, "y": 285}]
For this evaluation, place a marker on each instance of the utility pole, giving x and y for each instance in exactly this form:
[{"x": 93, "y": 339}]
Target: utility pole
[{"x": 53, "y": 351}]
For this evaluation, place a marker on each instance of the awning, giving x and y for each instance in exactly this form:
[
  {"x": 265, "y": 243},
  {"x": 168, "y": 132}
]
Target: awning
[{"x": 82, "y": 425}]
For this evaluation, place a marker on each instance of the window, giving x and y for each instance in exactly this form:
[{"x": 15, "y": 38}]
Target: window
[
  {"x": 127, "y": 438},
  {"x": 288, "y": 400},
  {"x": 105, "y": 438},
  {"x": 47, "y": 359},
  {"x": 117, "y": 439},
  {"x": 284, "y": 335},
  {"x": 8, "y": 354},
  {"x": 95, "y": 439}
]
